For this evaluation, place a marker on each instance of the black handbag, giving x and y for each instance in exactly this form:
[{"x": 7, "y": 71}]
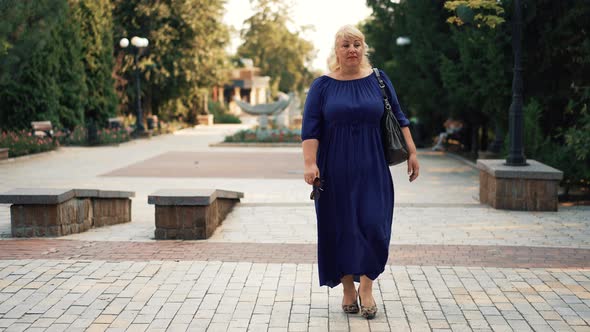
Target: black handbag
[{"x": 395, "y": 148}]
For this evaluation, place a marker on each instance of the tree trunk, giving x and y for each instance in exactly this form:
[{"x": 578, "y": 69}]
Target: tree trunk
[
  {"x": 484, "y": 137},
  {"x": 498, "y": 143},
  {"x": 474, "y": 140}
]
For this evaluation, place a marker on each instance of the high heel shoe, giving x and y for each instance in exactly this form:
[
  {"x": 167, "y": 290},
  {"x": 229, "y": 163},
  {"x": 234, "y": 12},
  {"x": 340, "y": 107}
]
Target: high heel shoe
[
  {"x": 368, "y": 311},
  {"x": 351, "y": 308}
]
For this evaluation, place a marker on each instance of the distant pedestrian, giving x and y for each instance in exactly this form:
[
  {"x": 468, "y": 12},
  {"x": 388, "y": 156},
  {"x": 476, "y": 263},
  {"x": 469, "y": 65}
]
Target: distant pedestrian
[
  {"x": 452, "y": 128},
  {"x": 345, "y": 163}
]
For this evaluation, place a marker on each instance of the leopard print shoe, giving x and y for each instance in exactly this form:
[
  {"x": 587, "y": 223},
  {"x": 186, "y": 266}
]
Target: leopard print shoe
[
  {"x": 368, "y": 311},
  {"x": 351, "y": 308}
]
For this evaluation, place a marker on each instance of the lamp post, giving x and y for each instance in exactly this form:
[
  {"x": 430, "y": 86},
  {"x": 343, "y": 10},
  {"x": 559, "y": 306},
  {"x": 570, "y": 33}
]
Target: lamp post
[
  {"x": 138, "y": 43},
  {"x": 515, "y": 118},
  {"x": 515, "y": 122},
  {"x": 506, "y": 184}
]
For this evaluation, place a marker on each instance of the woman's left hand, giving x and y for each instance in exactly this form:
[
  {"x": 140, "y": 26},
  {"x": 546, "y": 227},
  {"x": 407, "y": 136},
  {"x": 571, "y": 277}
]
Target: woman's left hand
[{"x": 413, "y": 167}]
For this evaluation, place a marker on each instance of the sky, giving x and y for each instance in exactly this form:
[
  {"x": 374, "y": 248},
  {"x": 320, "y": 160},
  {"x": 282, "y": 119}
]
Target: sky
[{"x": 327, "y": 16}]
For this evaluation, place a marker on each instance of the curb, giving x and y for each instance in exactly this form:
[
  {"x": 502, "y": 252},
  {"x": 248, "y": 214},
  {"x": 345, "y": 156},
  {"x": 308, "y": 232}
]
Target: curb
[
  {"x": 258, "y": 145},
  {"x": 459, "y": 158},
  {"x": 28, "y": 156},
  {"x": 41, "y": 154}
]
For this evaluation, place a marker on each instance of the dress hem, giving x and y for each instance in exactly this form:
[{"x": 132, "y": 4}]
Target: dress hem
[{"x": 356, "y": 276}]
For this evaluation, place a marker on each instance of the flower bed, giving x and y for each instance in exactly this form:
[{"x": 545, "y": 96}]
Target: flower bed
[
  {"x": 269, "y": 136},
  {"x": 104, "y": 136},
  {"x": 113, "y": 136},
  {"x": 23, "y": 142}
]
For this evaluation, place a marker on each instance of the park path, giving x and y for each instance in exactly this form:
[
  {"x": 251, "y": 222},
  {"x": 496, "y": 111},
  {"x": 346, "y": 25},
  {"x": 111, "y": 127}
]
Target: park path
[{"x": 455, "y": 265}]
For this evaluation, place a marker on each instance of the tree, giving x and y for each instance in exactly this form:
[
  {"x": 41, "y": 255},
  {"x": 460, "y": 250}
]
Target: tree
[
  {"x": 482, "y": 58},
  {"x": 279, "y": 53},
  {"x": 414, "y": 68},
  {"x": 557, "y": 71},
  {"x": 41, "y": 76},
  {"x": 96, "y": 30},
  {"x": 556, "y": 61},
  {"x": 186, "y": 52},
  {"x": 476, "y": 80},
  {"x": 479, "y": 12},
  {"x": 556, "y": 58}
]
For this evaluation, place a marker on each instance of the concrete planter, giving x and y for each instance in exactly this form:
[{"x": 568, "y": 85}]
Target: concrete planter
[
  {"x": 524, "y": 188},
  {"x": 206, "y": 120}
]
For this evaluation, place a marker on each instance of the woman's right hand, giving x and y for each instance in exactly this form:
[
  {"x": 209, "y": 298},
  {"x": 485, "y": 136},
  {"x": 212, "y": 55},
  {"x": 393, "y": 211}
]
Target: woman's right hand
[{"x": 310, "y": 172}]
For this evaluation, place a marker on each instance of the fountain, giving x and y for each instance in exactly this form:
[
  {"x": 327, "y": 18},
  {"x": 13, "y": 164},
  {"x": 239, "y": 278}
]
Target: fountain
[{"x": 263, "y": 111}]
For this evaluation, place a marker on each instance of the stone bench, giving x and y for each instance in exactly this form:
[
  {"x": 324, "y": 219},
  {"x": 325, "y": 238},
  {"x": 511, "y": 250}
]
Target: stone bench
[
  {"x": 41, "y": 212},
  {"x": 191, "y": 214}
]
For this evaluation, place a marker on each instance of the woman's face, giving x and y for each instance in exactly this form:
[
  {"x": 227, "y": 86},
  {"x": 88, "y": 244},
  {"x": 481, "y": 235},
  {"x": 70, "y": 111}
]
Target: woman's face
[{"x": 349, "y": 52}]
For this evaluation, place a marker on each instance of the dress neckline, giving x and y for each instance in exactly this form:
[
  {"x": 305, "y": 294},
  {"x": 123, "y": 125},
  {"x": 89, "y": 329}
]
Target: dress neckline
[{"x": 354, "y": 79}]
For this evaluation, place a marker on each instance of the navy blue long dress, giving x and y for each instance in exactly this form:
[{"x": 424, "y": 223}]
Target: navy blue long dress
[{"x": 355, "y": 210}]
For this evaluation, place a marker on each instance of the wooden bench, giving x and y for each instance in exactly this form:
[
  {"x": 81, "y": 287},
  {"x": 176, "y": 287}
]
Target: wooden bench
[
  {"x": 115, "y": 123},
  {"x": 46, "y": 212},
  {"x": 45, "y": 129},
  {"x": 191, "y": 214},
  {"x": 42, "y": 128}
]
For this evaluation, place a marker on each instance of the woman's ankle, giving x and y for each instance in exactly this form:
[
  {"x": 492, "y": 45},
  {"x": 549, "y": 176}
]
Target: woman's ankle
[
  {"x": 366, "y": 285},
  {"x": 347, "y": 283},
  {"x": 348, "y": 287}
]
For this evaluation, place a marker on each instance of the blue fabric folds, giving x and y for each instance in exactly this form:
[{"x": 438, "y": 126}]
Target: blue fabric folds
[{"x": 355, "y": 210}]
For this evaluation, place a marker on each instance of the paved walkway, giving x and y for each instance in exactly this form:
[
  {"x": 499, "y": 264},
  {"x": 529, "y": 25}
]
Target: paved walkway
[{"x": 455, "y": 265}]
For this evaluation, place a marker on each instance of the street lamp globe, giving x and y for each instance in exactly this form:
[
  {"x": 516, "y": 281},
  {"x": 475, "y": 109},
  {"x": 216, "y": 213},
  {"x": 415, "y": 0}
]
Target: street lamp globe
[
  {"x": 135, "y": 41},
  {"x": 124, "y": 42},
  {"x": 402, "y": 41},
  {"x": 139, "y": 42}
]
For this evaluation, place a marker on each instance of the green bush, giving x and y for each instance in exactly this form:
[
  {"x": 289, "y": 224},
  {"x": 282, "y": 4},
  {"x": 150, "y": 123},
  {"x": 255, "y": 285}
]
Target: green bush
[
  {"x": 576, "y": 162},
  {"x": 23, "y": 142},
  {"x": 270, "y": 136},
  {"x": 567, "y": 151},
  {"x": 533, "y": 134},
  {"x": 77, "y": 137},
  {"x": 226, "y": 118},
  {"x": 578, "y": 136},
  {"x": 533, "y": 138},
  {"x": 576, "y": 173},
  {"x": 220, "y": 114}
]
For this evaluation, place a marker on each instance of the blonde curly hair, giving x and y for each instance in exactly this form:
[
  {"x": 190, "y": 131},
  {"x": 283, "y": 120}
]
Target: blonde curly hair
[{"x": 348, "y": 32}]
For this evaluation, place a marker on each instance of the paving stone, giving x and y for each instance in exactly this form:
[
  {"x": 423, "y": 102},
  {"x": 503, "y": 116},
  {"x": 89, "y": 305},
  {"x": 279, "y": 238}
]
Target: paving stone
[
  {"x": 137, "y": 327},
  {"x": 63, "y": 327},
  {"x": 456, "y": 265}
]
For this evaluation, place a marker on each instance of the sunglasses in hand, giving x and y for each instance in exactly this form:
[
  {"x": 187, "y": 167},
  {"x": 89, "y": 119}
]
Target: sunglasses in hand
[{"x": 317, "y": 189}]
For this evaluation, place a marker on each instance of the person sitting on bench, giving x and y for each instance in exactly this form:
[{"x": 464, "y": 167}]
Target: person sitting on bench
[{"x": 452, "y": 128}]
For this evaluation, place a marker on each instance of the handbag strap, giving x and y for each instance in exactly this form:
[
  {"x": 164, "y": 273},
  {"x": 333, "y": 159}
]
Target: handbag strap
[
  {"x": 382, "y": 88},
  {"x": 385, "y": 98}
]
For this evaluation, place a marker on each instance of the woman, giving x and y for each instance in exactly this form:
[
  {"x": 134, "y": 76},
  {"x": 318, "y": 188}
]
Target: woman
[{"x": 342, "y": 147}]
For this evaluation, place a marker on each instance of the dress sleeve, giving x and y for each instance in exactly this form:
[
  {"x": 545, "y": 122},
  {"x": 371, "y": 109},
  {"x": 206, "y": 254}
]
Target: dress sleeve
[
  {"x": 312, "y": 112},
  {"x": 397, "y": 111}
]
